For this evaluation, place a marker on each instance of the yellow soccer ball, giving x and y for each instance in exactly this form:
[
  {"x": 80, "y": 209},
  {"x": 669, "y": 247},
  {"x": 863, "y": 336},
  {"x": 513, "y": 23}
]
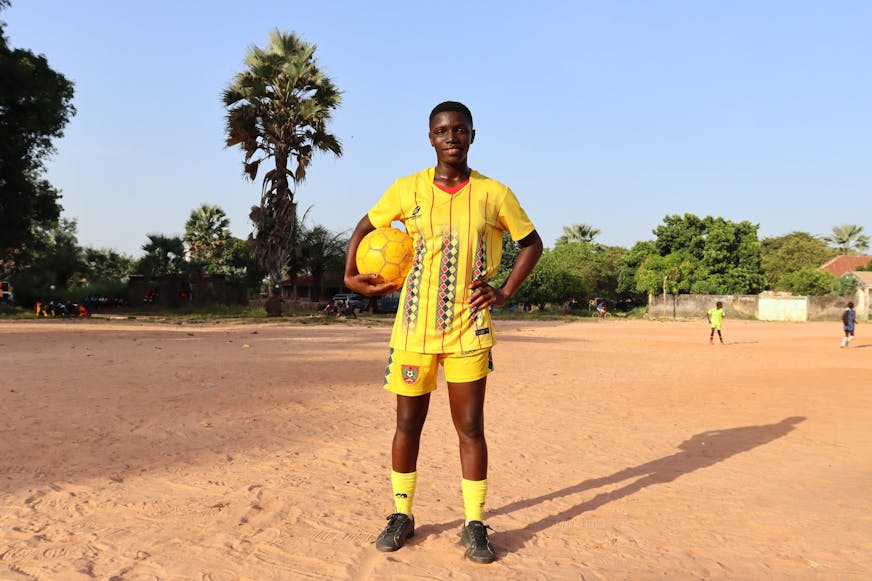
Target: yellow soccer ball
[{"x": 387, "y": 252}]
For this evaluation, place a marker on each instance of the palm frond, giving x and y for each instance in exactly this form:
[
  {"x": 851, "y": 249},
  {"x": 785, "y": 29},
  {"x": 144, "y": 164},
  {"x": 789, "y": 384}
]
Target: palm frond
[{"x": 251, "y": 169}]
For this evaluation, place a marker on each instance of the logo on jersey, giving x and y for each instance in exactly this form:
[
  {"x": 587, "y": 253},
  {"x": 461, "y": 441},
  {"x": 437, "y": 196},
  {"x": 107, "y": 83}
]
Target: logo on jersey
[
  {"x": 410, "y": 373},
  {"x": 415, "y": 213}
]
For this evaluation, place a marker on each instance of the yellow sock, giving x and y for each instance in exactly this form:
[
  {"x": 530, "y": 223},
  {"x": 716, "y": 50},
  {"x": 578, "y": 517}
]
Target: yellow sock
[
  {"x": 474, "y": 493},
  {"x": 404, "y": 490}
]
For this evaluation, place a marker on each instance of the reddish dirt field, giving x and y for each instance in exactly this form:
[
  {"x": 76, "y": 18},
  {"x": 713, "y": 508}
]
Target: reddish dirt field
[{"x": 619, "y": 450}]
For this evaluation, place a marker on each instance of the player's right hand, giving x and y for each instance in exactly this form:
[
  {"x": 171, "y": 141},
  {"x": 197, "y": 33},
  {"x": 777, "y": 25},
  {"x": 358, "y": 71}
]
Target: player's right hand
[{"x": 369, "y": 285}]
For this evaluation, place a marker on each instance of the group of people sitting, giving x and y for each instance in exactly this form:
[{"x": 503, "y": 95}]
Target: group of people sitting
[{"x": 60, "y": 308}]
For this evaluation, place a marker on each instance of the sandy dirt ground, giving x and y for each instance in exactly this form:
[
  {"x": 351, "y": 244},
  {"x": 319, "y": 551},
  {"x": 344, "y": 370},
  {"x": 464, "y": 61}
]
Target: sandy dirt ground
[{"x": 618, "y": 450}]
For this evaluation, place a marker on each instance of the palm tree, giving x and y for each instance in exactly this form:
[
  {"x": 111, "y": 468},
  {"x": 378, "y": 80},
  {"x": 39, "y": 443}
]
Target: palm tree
[
  {"x": 322, "y": 250},
  {"x": 578, "y": 233},
  {"x": 163, "y": 255},
  {"x": 848, "y": 239},
  {"x": 206, "y": 234},
  {"x": 278, "y": 108}
]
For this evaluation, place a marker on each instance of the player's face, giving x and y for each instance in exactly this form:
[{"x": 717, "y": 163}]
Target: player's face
[{"x": 451, "y": 135}]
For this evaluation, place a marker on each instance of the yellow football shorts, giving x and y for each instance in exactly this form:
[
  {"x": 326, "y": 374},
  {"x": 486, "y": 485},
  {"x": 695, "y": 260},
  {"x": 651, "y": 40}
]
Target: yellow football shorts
[{"x": 412, "y": 374}]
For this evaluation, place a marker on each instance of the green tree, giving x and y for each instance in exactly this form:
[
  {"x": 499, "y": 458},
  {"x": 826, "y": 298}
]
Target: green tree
[
  {"x": 35, "y": 106},
  {"x": 163, "y": 255},
  {"x": 781, "y": 255},
  {"x": 54, "y": 267},
  {"x": 674, "y": 274},
  {"x": 848, "y": 239},
  {"x": 629, "y": 267},
  {"x": 603, "y": 272},
  {"x": 238, "y": 263},
  {"x": 106, "y": 265},
  {"x": 63, "y": 257},
  {"x": 511, "y": 249},
  {"x": 595, "y": 266},
  {"x": 808, "y": 281},
  {"x": 712, "y": 255},
  {"x": 207, "y": 232},
  {"x": 680, "y": 233},
  {"x": 507, "y": 261},
  {"x": 278, "y": 108},
  {"x": 550, "y": 282},
  {"x": 731, "y": 258},
  {"x": 578, "y": 233},
  {"x": 576, "y": 258},
  {"x": 573, "y": 271}
]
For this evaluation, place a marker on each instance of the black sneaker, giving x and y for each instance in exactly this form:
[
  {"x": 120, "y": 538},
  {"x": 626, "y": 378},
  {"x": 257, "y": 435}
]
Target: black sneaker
[
  {"x": 478, "y": 548},
  {"x": 400, "y": 527}
]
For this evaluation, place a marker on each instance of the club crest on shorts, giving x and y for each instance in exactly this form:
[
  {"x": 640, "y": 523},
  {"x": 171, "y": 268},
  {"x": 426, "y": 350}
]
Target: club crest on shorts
[{"x": 410, "y": 373}]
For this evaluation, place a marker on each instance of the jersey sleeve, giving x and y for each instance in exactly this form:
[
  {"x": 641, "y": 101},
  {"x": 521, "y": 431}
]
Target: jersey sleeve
[
  {"x": 513, "y": 219},
  {"x": 387, "y": 209}
]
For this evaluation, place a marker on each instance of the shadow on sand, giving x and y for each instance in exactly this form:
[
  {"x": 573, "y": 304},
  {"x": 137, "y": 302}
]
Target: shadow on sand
[{"x": 700, "y": 451}]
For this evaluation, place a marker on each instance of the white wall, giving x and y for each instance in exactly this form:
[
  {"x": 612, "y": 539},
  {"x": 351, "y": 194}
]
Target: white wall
[{"x": 782, "y": 309}]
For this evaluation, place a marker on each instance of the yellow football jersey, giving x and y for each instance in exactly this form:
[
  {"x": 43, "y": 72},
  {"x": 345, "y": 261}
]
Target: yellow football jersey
[{"x": 458, "y": 238}]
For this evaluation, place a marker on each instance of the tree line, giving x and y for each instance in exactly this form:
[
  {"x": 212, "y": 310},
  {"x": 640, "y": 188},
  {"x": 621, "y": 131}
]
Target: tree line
[
  {"x": 688, "y": 254},
  {"x": 61, "y": 268},
  {"x": 278, "y": 111}
]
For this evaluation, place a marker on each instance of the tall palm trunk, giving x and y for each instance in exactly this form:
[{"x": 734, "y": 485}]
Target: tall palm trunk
[
  {"x": 289, "y": 209},
  {"x": 279, "y": 108},
  {"x": 279, "y": 213}
]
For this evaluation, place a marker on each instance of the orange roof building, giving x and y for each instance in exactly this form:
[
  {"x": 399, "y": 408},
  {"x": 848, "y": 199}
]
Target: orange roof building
[
  {"x": 864, "y": 294},
  {"x": 845, "y": 263}
]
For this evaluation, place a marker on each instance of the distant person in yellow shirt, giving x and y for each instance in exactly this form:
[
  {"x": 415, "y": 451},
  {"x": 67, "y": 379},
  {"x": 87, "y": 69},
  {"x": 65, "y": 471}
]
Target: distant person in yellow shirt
[
  {"x": 715, "y": 318},
  {"x": 456, "y": 218}
]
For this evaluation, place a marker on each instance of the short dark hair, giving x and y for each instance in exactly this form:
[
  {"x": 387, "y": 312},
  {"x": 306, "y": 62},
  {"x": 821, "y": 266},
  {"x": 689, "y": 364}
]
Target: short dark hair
[
  {"x": 451, "y": 107},
  {"x": 850, "y": 305}
]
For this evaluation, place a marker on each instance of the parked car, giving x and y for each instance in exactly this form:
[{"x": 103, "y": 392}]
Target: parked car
[
  {"x": 354, "y": 301},
  {"x": 389, "y": 303}
]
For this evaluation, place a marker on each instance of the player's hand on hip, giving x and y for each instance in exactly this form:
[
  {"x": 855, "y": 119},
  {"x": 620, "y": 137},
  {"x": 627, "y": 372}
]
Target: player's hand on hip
[{"x": 484, "y": 296}]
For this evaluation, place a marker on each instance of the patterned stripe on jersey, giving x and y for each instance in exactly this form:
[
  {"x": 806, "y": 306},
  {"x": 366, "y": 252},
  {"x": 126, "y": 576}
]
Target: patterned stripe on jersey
[
  {"x": 413, "y": 285},
  {"x": 388, "y": 368},
  {"x": 479, "y": 270},
  {"x": 447, "y": 282}
]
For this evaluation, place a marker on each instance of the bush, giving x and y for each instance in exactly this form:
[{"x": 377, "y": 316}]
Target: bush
[
  {"x": 637, "y": 313},
  {"x": 7, "y": 309},
  {"x": 807, "y": 281},
  {"x": 108, "y": 289},
  {"x": 846, "y": 285}
]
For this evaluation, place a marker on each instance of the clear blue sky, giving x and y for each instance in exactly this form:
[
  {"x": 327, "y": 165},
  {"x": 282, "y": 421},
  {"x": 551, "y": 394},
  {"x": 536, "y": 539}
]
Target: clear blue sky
[{"x": 613, "y": 114}]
